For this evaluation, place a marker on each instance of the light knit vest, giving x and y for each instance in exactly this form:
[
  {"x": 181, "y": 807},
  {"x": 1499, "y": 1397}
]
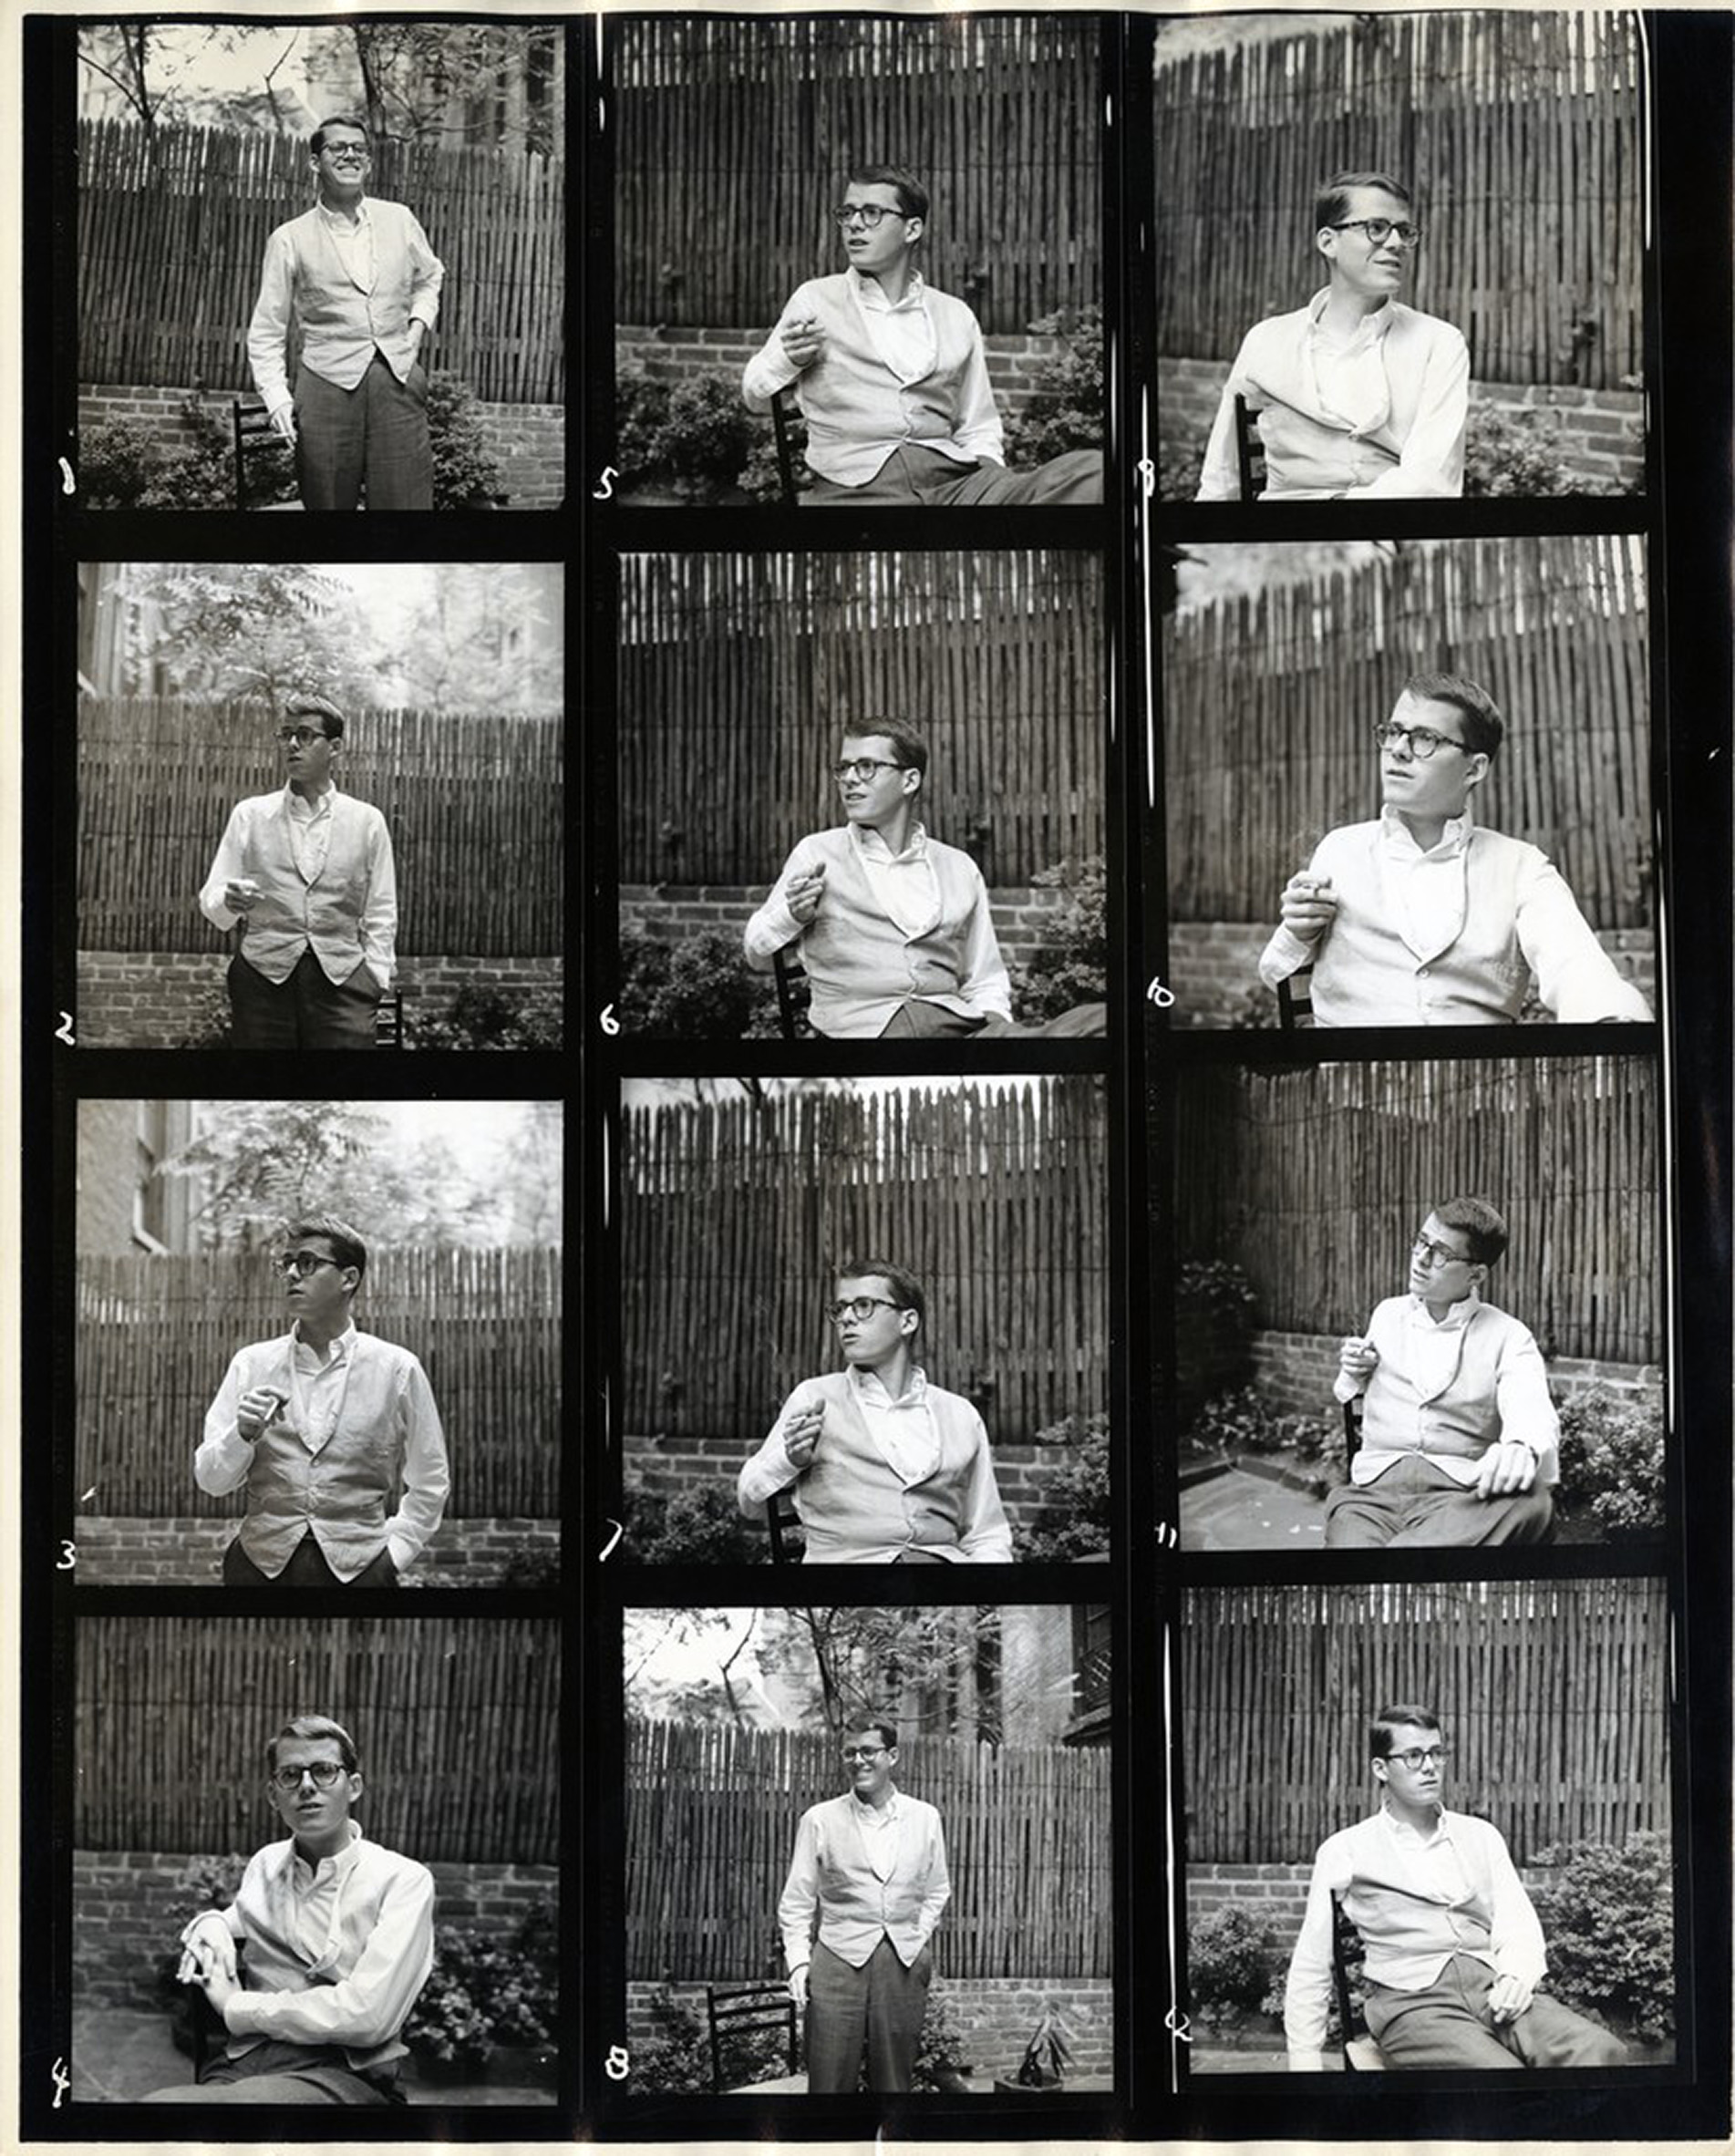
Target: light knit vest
[
  {"x": 853, "y": 951},
  {"x": 342, "y": 326},
  {"x": 291, "y": 916},
  {"x": 856, "y": 1907},
  {"x": 849, "y": 1495},
  {"x": 1462, "y": 1419}
]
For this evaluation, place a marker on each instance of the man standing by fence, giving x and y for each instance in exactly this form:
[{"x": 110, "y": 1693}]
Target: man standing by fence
[
  {"x": 894, "y": 931},
  {"x": 892, "y": 376},
  {"x": 886, "y": 1467},
  {"x": 1454, "y": 1953},
  {"x": 308, "y": 874},
  {"x": 361, "y": 282},
  {"x": 321, "y": 1428},
  {"x": 338, "y": 1938},
  {"x": 870, "y": 1872}
]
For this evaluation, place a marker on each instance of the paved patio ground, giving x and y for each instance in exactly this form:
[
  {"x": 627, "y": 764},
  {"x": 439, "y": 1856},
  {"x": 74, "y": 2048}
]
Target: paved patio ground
[{"x": 1237, "y": 1507}]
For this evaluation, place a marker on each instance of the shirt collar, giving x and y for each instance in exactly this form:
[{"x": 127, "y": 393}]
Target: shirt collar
[
  {"x": 869, "y": 1385},
  {"x": 874, "y": 845},
  {"x": 340, "y": 1861},
  {"x": 298, "y": 804},
  {"x": 1401, "y": 1831},
  {"x": 1460, "y": 1313},
  {"x": 1370, "y": 328},
  {"x": 1398, "y": 839},
  {"x": 343, "y": 1346},
  {"x": 339, "y": 222},
  {"x": 871, "y": 293},
  {"x": 891, "y": 1808}
]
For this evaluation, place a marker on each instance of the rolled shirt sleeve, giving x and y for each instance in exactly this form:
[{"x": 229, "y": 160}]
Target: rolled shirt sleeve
[
  {"x": 978, "y": 431},
  {"x": 1514, "y": 1933},
  {"x": 427, "y": 275},
  {"x": 773, "y": 927},
  {"x": 268, "y": 332},
  {"x": 377, "y": 928},
  {"x": 426, "y": 1474},
  {"x": 769, "y": 1469},
  {"x": 221, "y": 1463},
  {"x": 230, "y": 862},
  {"x": 1527, "y": 1415},
  {"x": 367, "y": 2008},
  {"x": 1575, "y": 977},
  {"x": 801, "y": 1897},
  {"x": 772, "y": 369},
  {"x": 1306, "y": 1993},
  {"x": 939, "y": 1887},
  {"x": 986, "y": 985},
  {"x": 984, "y": 1535}
]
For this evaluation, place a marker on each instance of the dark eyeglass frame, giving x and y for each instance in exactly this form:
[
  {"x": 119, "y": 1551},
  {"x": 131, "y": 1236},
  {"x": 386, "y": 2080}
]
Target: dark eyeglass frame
[
  {"x": 864, "y": 768},
  {"x": 1416, "y": 1759},
  {"x": 852, "y": 1753},
  {"x": 296, "y": 1264},
  {"x": 861, "y": 1307},
  {"x": 325, "y": 1774},
  {"x": 872, "y": 214},
  {"x": 1422, "y": 742},
  {"x": 1381, "y": 229},
  {"x": 301, "y": 735},
  {"x": 1437, "y": 1254}
]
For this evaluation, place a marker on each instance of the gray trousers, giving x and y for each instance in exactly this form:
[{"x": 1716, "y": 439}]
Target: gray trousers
[{"x": 374, "y": 435}]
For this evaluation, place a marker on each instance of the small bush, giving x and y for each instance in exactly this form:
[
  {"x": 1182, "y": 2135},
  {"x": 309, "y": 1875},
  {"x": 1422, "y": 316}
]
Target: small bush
[
  {"x": 701, "y": 988},
  {"x": 1074, "y": 1521},
  {"x": 1229, "y": 1971},
  {"x": 484, "y": 1990},
  {"x": 641, "y": 409},
  {"x": 536, "y": 1567},
  {"x": 707, "y": 435},
  {"x": 465, "y": 475},
  {"x": 1072, "y": 966},
  {"x": 209, "y": 1025},
  {"x": 1238, "y": 1422},
  {"x": 702, "y": 1526},
  {"x": 1180, "y": 467},
  {"x": 118, "y": 459},
  {"x": 483, "y": 1016},
  {"x": 1065, "y": 411},
  {"x": 1609, "y": 1923},
  {"x": 1217, "y": 1288},
  {"x": 1508, "y": 454},
  {"x": 1611, "y": 1461}
]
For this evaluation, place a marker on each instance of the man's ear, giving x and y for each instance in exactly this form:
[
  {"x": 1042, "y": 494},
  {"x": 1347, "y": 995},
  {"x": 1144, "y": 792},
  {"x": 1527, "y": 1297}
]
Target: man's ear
[
  {"x": 1477, "y": 770},
  {"x": 1326, "y": 242},
  {"x": 1383, "y": 1772},
  {"x": 913, "y": 228},
  {"x": 908, "y": 1322},
  {"x": 355, "y": 1787}
]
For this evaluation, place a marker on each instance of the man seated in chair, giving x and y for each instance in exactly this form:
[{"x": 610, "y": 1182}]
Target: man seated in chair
[
  {"x": 894, "y": 927},
  {"x": 339, "y": 1935},
  {"x": 1454, "y": 1954},
  {"x": 886, "y": 1469},
  {"x": 1459, "y": 1441},
  {"x": 1357, "y": 395},
  {"x": 1428, "y": 918},
  {"x": 892, "y": 376}
]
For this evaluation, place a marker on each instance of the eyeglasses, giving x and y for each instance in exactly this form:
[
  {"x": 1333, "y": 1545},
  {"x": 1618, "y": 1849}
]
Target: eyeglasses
[
  {"x": 325, "y": 1772},
  {"x": 300, "y": 735},
  {"x": 346, "y": 155},
  {"x": 864, "y": 768},
  {"x": 296, "y": 1264},
  {"x": 1421, "y": 741},
  {"x": 861, "y": 1308},
  {"x": 1435, "y": 1756},
  {"x": 1381, "y": 229},
  {"x": 1436, "y": 1253},
  {"x": 863, "y": 1752},
  {"x": 871, "y": 214}
]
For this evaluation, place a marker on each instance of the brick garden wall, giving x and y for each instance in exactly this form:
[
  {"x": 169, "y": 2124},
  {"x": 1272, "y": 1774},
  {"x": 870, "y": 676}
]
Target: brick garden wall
[
  {"x": 527, "y": 440},
  {"x": 1293, "y": 1371},
  {"x": 157, "y": 1000},
  {"x": 1602, "y": 438},
  {"x": 996, "y": 2015},
  {"x": 188, "y": 1553},
  {"x": 1023, "y": 913},
  {"x": 1214, "y": 968},
  {"x": 127, "y": 1908}
]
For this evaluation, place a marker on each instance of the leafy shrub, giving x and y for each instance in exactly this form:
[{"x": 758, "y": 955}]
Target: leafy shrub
[
  {"x": 1074, "y": 1521},
  {"x": 209, "y": 1024},
  {"x": 1072, "y": 966},
  {"x": 706, "y": 436},
  {"x": 1229, "y": 1971},
  {"x": 118, "y": 459},
  {"x": 1180, "y": 466},
  {"x": 700, "y": 988},
  {"x": 534, "y": 1567},
  {"x": 703, "y": 1526},
  {"x": 1611, "y": 1461},
  {"x": 484, "y": 1016},
  {"x": 1065, "y": 411},
  {"x": 760, "y": 476},
  {"x": 1609, "y": 1923},
  {"x": 1242, "y": 1422},
  {"x": 484, "y": 1990},
  {"x": 940, "y": 2056},
  {"x": 1216, "y": 1288},
  {"x": 465, "y": 475},
  {"x": 641, "y": 408},
  {"x": 1514, "y": 454}
]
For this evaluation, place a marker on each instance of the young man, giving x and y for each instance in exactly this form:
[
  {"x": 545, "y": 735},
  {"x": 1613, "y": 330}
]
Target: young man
[
  {"x": 886, "y": 1467},
  {"x": 1357, "y": 395},
  {"x": 1427, "y": 918},
  {"x": 1453, "y": 1951},
  {"x": 1459, "y": 1441},
  {"x": 361, "y": 280},
  {"x": 321, "y": 1428},
  {"x": 890, "y": 376},
  {"x": 870, "y": 1870},
  {"x": 895, "y": 935},
  {"x": 339, "y": 1935},
  {"x": 308, "y": 875}
]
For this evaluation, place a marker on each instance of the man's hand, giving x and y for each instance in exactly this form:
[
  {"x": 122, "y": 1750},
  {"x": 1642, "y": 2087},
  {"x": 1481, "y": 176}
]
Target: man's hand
[
  {"x": 1309, "y": 906},
  {"x": 1509, "y": 1997},
  {"x": 1507, "y": 1469},
  {"x": 803, "y": 340},
  {"x": 1358, "y": 1358},
  {"x": 208, "y": 1954},
  {"x": 801, "y": 1433},
  {"x": 282, "y": 422},
  {"x": 240, "y": 895},
  {"x": 797, "y": 1987},
  {"x": 802, "y": 894},
  {"x": 254, "y": 1413}
]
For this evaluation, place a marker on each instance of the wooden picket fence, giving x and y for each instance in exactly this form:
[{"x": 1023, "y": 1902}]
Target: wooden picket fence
[
  {"x": 1315, "y": 1182},
  {"x": 711, "y": 1814},
  {"x": 1521, "y": 133},
  {"x": 733, "y": 139},
  {"x": 464, "y": 794},
  {"x": 156, "y": 1334},
  {"x": 1553, "y": 1695},
  {"x": 172, "y": 225},
  {"x": 1270, "y": 701},
  {"x": 740, "y": 674},
  {"x": 457, "y": 1723},
  {"x": 736, "y": 1211}
]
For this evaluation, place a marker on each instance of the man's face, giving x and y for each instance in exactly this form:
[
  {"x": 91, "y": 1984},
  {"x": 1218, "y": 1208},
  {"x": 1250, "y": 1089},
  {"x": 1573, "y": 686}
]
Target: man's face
[
  {"x": 868, "y": 1762},
  {"x": 868, "y": 1341},
  {"x": 1441, "y": 1269},
  {"x": 320, "y": 1817},
  {"x": 1440, "y": 784},
  {"x": 1418, "y": 1785},
  {"x": 874, "y": 252},
  {"x": 319, "y": 1294},
  {"x": 342, "y": 164},
  {"x": 1358, "y": 265},
  {"x": 869, "y": 797},
  {"x": 309, "y": 751}
]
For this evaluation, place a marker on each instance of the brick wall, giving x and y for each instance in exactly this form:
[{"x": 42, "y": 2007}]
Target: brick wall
[
  {"x": 1213, "y": 969},
  {"x": 128, "y": 1907},
  {"x": 527, "y": 440},
  {"x": 188, "y": 1553},
  {"x": 671, "y": 356},
  {"x": 1023, "y": 913},
  {"x": 1601, "y": 430},
  {"x": 996, "y": 2015},
  {"x": 144, "y": 999},
  {"x": 1293, "y": 1371}
]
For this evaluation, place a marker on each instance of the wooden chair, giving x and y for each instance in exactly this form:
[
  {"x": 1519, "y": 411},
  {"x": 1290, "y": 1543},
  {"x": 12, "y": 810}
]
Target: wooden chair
[
  {"x": 789, "y": 491},
  {"x": 787, "y": 974},
  {"x": 735, "y": 2009},
  {"x": 1294, "y": 1000},
  {"x": 388, "y": 1021},
  {"x": 1250, "y": 452},
  {"x": 1361, "y": 2055},
  {"x": 783, "y": 1519},
  {"x": 1352, "y": 1429},
  {"x": 249, "y": 429}
]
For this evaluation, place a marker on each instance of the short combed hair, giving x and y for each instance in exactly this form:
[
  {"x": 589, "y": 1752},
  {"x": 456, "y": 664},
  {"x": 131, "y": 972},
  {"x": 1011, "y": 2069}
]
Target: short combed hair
[
  {"x": 1386, "y": 1723},
  {"x": 913, "y": 197},
  {"x": 309, "y": 1728},
  {"x": 858, "y": 1724},
  {"x": 1485, "y": 728},
  {"x": 312, "y": 706},
  {"x": 911, "y": 749},
  {"x": 1331, "y": 197},
  {"x": 1482, "y": 1225},
  {"x": 316, "y": 142},
  {"x": 348, "y": 1246},
  {"x": 904, "y": 1285}
]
